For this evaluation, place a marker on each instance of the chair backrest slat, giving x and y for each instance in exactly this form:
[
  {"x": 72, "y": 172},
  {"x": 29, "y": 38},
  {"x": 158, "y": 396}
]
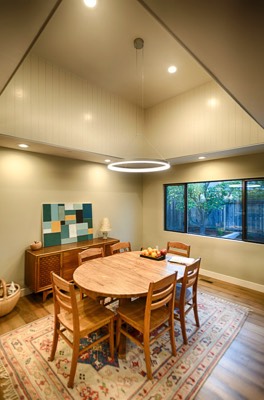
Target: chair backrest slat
[
  {"x": 65, "y": 298},
  {"x": 89, "y": 254},
  {"x": 179, "y": 248},
  {"x": 120, "y": 247},
  {"x": 190, "y": 278},
  {"x": 160, "y": 293}
]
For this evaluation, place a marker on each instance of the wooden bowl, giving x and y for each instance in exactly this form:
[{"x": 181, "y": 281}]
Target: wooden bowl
[{"x": 36, "y": 246}]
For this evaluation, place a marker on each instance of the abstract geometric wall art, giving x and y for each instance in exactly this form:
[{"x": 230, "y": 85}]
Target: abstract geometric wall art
[{"x": 66, "y": 223}]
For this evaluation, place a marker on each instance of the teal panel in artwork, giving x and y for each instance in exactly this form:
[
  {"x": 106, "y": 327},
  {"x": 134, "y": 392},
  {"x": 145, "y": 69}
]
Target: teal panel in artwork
[
  {"x": 54, "y": 212},
  {"x": 68, "y": 240},
  {"x": 82, "y": 232},
  {"x": 52, "y": 239},
  {"x": 87, "y": 211},
  {"x": 64, "y": 231},
  {"x": 61, "y": 211},
  {"x": 46, "y": 209},
  {"x": 89, "y": 221},
  {"x": 46, "y": 226},
  {"x": 83, "y": 237},
  {"x": 70, "y": 221},
  {"x": 82, "y": 226}
]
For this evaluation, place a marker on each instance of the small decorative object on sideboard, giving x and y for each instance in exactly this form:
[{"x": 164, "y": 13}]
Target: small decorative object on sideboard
[
  {"x": 36, "y": 245},
  {"x": 105, "y": 227},
  {"x": 9, "y": 296}
]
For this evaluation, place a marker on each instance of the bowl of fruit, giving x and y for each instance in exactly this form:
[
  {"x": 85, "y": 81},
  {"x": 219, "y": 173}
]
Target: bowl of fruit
[{"x": 153, "y": 253}]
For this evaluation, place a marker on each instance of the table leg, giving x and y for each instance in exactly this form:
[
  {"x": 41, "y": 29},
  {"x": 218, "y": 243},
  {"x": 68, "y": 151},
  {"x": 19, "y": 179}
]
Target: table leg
[{"x": 122, "y": 344}]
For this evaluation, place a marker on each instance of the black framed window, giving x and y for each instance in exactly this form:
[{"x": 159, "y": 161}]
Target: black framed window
[
  {"x": 254, "y": 211},
  {"x": 231, "y": 209}
]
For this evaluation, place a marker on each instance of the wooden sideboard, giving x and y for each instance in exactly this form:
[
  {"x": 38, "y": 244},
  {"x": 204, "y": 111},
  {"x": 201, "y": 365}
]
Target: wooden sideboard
[{"x": 63, "y": 260}]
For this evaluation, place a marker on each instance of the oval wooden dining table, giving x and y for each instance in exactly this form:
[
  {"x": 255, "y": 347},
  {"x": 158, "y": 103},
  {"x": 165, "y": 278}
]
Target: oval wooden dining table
[{"x": 123, "y": 276}]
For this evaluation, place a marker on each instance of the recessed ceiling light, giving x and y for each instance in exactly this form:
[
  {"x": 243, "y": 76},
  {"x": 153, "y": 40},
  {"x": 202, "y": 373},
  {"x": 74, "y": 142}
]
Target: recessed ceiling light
[
  {"x": 87, "y": 117},
  {"x": 172, "y": 69},
  {"x": 90, "y": 3},
  {"x": 201, "y": 158},
  {"x": 107, "y": 161},
  {"x": 19, "y": 93},
  {"x": 23, "y": 146},
  {"x": 213, "y": 102}
]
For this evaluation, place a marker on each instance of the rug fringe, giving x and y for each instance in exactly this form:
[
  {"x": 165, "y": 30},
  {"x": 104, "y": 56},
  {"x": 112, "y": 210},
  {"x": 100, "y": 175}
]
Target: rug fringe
[{"x": 7, "y": 390}]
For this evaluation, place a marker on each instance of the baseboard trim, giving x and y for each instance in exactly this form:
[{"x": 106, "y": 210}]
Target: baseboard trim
[{"x": 234, "y": 281}]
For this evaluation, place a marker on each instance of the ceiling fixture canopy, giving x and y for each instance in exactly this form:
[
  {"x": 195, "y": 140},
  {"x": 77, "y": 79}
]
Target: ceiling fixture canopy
[{"x": 139, "y": 165}]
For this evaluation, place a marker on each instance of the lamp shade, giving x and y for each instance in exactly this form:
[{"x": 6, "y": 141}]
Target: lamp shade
[{"x": 105, "y": 226}]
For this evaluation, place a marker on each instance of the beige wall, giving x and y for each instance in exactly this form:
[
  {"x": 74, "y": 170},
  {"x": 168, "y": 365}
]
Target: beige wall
[
  {"x": 47, "y": 104},
  {"x": 234, "y": 261},
  {"x": 203, "y": 120},
  {"x": 27, "y": 180},
  {"x": 136, "y": 212}
]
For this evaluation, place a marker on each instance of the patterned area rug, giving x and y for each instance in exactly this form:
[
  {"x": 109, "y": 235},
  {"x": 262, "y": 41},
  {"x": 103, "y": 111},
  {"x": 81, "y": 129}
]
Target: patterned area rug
[{"x": 25, "y": 372}]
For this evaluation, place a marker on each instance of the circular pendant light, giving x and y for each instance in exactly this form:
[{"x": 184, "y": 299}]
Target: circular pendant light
[{"x": 139, "y": 165}]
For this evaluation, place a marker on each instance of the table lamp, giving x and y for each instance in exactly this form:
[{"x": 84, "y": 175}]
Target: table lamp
[{"x": 105, "y": 227}]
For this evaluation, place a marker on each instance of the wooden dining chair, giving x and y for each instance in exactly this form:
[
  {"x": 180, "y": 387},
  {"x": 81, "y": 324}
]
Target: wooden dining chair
[
  {"x": 79, "y": 318},
  {"x": 120, "y": 247},
  {"x": 86, "y": 255},
  {"x": 116, "y": 248},
  {"x": 179, "y": 248},
  {"x": 89, "y": 254},
  {"x": 147, "y": 315},
  {"x": 186, "y": 296}
]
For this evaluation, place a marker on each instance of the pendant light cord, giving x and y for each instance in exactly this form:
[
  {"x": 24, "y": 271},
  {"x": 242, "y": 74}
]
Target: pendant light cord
[{"x": 139, "y": 46}]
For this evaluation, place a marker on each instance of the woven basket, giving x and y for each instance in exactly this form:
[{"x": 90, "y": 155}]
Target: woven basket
[{"x": 8, "y": 302}]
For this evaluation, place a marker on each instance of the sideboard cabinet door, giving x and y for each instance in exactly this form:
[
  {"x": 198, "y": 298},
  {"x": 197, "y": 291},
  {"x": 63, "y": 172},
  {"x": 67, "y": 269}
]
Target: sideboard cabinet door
[{"x": 46, "y": 265}]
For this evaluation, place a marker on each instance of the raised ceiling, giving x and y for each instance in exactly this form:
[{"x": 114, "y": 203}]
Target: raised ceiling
[
  {"x": 97, "y": 44},
  {"x": 227, "y": 37}
]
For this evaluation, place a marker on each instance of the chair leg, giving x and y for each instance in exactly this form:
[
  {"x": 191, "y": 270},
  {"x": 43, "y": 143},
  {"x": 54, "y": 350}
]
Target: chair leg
[
  {"x": 196, "y": 316},
  {"x": 111, "y": 338},
  {"x": 118, "y": 327},
  {"x": 75, "y": 354},
  {"x": 55, "y": 340},
  {"x": 172, "y": 337},
  {"x": 183, "y": 326},
  {"x": 147, "y": 356}
]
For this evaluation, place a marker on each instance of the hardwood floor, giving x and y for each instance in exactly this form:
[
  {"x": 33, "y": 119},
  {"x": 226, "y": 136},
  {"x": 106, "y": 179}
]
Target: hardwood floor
[{"x": 240, "y": 372}]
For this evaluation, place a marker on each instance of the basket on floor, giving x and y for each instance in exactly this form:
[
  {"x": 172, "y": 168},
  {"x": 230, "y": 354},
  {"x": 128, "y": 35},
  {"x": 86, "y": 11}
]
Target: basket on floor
[{"x": 8, "y": 301}]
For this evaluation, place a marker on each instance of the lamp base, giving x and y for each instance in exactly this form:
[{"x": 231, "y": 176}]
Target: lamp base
[{"x": 105, "y": 235}]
